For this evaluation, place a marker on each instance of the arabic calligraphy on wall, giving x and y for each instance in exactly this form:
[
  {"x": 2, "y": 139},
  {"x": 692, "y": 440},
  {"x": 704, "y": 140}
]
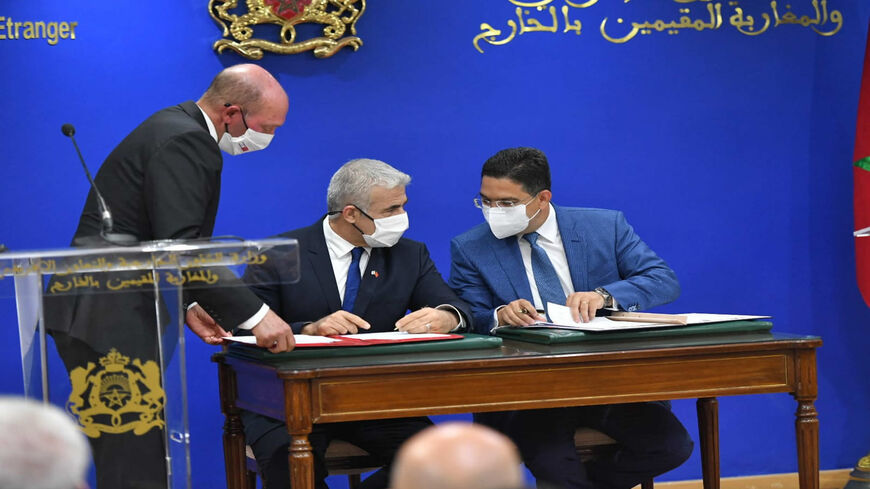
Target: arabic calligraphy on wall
[{"x": 543, "y": 16}]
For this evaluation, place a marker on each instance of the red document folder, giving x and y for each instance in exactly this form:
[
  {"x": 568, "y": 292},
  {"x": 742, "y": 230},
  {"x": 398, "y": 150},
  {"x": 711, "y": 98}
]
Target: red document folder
[{"x": 304, "y": 341}]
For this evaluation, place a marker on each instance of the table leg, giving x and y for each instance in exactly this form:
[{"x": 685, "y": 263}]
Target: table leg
[
  {"x": 301, "y": 463},
  {"x": 298, "y": 412},
  {"x": 708, "y": 432},
  {"x": 234, "y": 436},
  {"x": 807, "y": 421}
]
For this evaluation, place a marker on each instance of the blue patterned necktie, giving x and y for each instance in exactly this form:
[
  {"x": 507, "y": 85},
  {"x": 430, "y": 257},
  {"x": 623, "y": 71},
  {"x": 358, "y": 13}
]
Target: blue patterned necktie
[
  {"x": 549, "y": 287},
  {"x": 351, "y": 286}
]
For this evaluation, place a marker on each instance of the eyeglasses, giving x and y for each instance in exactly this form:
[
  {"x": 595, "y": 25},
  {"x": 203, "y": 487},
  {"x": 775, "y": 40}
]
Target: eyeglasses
[{"x": 481, "y": 202}]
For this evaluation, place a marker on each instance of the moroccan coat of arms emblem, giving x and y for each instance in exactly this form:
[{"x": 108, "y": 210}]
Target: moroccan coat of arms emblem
[
  {"x": 116, "y": 397},
  {"x": 337, "y": 17}
]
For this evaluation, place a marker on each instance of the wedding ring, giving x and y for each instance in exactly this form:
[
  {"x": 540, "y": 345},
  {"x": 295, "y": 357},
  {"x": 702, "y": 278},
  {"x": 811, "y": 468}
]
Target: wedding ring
[
  {"x": 428, "y": 327},
  {"x": 524, "y": 310},
  {"x": 274, "y": 343}
]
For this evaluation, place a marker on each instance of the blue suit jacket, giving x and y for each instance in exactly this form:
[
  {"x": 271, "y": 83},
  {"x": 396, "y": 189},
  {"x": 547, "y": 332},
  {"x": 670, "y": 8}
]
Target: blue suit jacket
[
  {"x": 397, "y": 279},
  {"x": 602, "y": 251}
]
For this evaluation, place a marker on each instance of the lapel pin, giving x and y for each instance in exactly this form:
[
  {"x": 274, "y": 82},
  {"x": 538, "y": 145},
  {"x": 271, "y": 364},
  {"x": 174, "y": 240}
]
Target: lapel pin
[{"x": 375, "y": 274}]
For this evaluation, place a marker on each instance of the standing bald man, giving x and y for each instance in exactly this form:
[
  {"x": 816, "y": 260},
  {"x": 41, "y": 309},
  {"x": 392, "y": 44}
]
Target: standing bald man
[
  {"x": 458, "y": 455},
  {"x": 163, "y": 182}
]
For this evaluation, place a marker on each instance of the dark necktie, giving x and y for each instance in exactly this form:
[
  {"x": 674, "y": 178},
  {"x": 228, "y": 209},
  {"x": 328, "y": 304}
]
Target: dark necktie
[
  {"x": 549, "y": 287},
  {"x": 351, "y": 287}
]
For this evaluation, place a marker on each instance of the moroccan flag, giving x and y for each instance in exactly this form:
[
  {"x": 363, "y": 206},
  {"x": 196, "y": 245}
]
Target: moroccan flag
[{"x": 861, "y": 172}]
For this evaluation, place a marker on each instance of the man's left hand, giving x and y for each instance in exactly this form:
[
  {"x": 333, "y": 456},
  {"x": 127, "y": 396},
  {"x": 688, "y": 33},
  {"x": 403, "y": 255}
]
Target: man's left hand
[
  {"x": 584, "y": 304},
  {"x": 428, "y": 320}
]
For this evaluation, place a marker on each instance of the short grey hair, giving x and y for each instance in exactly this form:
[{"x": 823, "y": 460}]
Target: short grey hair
[
  {"x": 42, "y": 447},
  {"x": 352, "y": 183}
]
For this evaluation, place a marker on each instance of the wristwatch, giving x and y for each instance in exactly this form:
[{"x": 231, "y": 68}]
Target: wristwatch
[{"x": 608, "y": 299}]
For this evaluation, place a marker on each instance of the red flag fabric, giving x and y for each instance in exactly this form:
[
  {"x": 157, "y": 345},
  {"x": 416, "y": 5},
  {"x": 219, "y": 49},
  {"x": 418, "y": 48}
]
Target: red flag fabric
[{"x": 861, "y": 171}]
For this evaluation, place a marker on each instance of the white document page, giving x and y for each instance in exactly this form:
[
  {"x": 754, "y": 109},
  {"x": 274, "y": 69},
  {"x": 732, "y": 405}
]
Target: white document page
[
  {"x": 560, "y": 317},
  {"x": 700, "y": 318},
  {"x": 392, "y": 335},
  {"x": 301, "y": 339}
]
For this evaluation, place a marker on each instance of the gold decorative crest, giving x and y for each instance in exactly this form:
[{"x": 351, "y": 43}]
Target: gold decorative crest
[
  {"x": 336, "y": 16},
  {"x": 117, "y": 397}
]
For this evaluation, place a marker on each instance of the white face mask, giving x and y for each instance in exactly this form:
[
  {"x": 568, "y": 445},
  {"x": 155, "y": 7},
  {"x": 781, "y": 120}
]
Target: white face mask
[
  {"x": 507, "y": 221},
  {"x": 388, "y": 231},
  {"x": 249, "y": 141}
]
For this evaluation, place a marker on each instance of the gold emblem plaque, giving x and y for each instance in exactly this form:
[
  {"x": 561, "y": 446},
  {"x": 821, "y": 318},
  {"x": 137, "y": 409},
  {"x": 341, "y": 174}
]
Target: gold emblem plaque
[
  {"x": 117, "y": 397},
  {"x": 338, "y": 17}
]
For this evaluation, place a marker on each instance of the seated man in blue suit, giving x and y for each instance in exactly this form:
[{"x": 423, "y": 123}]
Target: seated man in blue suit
[
  {"x": 531, "y": 252},
  {"x": 358, "y": 275}
]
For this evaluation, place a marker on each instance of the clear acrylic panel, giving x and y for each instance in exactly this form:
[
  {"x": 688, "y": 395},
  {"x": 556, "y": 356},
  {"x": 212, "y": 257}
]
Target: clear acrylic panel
[{"x": 101, "y": 332}]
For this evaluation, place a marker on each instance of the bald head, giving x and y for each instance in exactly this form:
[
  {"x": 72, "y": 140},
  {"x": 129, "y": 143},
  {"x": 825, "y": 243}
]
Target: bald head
[
  {"x": 245, "y": 96},
  {"x": 457, "y": 456},
  {"x": 42, "y": 448},
  {"x": 246, "y": 85}
]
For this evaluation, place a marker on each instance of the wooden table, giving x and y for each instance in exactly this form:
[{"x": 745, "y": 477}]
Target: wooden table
[{"x": 521, "y": 375}]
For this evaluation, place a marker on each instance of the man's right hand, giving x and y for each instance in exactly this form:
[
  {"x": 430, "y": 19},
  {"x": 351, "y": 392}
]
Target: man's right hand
[
  {"x": 273, "y": 333},
  {"x": 519, "y": 313},
  {"x": 339, "y": 322}
]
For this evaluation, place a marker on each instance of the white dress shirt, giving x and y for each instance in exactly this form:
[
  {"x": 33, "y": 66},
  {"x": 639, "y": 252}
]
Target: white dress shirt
[
  {"x": 340, "y": 257},
  {"x": 211, "y": 130},
  {"x": 264, "y": 309},
  {"x": 550, "y": 239}
]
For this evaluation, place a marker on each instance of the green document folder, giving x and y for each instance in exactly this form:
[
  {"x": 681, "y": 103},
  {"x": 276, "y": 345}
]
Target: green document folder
[
  {"x": 468, "y": 342},
  {"x": 553, "y": 336}
]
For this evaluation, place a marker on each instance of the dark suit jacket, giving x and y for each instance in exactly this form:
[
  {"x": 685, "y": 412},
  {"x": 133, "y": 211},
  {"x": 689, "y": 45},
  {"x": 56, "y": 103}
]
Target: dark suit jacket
[
  {"x": 602, "y": 250},
  {"x": 397, "y": 279},
  {"x": 161, "y": 182}
]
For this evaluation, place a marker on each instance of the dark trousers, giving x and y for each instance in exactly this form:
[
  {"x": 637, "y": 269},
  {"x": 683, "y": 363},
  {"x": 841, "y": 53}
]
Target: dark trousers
[
  {"x": 122, "y": 460},
  {"x": 382, "y": 438},
  {"x": 651, "y": 441}
]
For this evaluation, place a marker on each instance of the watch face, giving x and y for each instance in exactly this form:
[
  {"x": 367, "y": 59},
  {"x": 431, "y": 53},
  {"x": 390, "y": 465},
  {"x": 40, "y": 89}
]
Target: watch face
[{"x": 608, "y": 299}]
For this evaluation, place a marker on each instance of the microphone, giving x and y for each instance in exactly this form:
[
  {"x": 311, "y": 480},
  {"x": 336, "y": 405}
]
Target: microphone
[{"x": 106, "y": 229}]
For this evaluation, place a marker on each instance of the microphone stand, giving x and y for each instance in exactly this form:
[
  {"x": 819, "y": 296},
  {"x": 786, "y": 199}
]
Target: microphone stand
[{"x": 106, "y": 233}]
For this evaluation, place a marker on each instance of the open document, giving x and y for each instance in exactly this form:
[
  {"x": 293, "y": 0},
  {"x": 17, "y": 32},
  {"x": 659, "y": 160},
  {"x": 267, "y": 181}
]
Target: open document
[{"x": 560, "y": 318}]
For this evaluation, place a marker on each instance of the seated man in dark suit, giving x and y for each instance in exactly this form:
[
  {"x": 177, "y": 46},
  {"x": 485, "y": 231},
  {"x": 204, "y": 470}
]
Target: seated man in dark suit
[
  {"x": 532, "y": 252},
  {"x": 357, "y": 275}
]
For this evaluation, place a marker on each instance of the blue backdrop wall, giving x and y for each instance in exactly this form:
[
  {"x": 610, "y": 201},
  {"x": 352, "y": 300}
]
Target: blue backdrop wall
[{"x": 729, "y": 153}]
